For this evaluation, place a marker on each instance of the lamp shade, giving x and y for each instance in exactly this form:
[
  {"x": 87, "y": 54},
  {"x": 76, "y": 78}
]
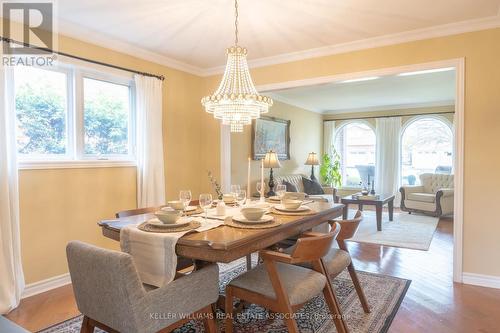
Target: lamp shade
[
  {"x": 271, "y": 160},
  {"x": 312, "y": 159}
]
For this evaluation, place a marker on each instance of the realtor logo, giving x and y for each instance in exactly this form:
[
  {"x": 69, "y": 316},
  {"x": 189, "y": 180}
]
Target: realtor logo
[{"x": 36, "y": 21}]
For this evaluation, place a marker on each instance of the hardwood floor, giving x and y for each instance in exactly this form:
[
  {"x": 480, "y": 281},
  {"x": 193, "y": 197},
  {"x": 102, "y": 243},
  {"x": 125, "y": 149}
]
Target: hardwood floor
[{"x": 433, "y": 302}]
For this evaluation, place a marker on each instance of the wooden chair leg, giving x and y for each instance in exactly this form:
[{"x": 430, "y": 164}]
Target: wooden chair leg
[
  {"x": 229, "y": 310},
  {"x": 290, "y": 322},
  {"x": 87, "y": 327},
  {"x": 333, "y": 305},
  {"x": 359, "y": 288},
  {"x": 209, "y": 320}
]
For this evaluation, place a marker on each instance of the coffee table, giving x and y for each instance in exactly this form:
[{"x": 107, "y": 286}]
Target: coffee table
[{"x": 379, "y": 203}]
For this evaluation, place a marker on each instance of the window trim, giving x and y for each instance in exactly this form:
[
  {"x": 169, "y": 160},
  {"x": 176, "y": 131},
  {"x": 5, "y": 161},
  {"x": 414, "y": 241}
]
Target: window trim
[{"x": 74, "y": 156}]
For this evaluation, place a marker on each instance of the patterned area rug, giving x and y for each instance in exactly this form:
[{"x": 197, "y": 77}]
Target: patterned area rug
[
  {"x": 384, "y": 293},
  {"x": 407, "y": 231}
]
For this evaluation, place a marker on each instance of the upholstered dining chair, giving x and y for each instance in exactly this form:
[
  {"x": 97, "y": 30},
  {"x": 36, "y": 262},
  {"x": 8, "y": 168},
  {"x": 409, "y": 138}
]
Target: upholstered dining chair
[
  {"x": 282, "y": 286},
  {"x": 110, "y": 295},
  {"x": 183, "y": 264},
  {"x": 338, "y": 259}
]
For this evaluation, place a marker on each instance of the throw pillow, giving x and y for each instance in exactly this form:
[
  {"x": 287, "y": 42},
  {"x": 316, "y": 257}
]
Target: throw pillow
[
  {"x": 289, "y": 186},
  {"x": 312, "y": 187}
]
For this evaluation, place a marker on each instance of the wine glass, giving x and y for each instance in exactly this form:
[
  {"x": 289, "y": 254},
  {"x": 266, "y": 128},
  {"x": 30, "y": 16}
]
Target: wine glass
[
  {"x": 241, "y": 197},
  {"x": 280, "y": 191},
  {"x": 205, "y": 203},
  {"x": 185, "y": 197},
  {"x": 259, "y": 188},
  {"x": 234, "y": 191}
]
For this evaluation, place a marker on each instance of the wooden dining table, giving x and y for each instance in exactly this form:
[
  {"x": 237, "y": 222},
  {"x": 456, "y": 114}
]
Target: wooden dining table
[{"x": 225, "y": 244}]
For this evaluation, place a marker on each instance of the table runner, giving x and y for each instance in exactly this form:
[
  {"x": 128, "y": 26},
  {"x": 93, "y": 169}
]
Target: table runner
[{"x": 154, "y": 253}]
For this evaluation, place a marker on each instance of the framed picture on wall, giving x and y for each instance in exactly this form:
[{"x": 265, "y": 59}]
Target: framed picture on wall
[{"x": 270, "y": 133}]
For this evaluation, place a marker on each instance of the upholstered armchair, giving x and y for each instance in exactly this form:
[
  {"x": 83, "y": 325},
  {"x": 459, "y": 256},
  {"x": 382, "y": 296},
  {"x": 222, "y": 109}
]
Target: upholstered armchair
[
  {"x": 110, "y": 295},
  {"x": 434, "y": 196}
]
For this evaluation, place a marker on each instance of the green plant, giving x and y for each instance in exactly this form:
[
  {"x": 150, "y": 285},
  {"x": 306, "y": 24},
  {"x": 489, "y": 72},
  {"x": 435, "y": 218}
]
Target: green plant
[{"x": 330, "y": 169}]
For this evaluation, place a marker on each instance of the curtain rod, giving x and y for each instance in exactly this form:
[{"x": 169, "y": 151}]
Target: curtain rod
[
  {"x": 391, "y": 116},
  {"x": 8, "y": 40}
]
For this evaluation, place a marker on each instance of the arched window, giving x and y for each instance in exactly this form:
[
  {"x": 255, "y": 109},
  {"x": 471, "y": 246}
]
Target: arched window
[
  {"x": 426, "y": 146},
  {"x": 355, "y": 142}
]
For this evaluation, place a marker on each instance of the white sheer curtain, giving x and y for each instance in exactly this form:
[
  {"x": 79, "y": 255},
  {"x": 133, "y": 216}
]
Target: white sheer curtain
[
  {"x": 11, "y": 273},
  {"x": 329, "y": 136},
  {"x": 150, "y": 168},
  {"x": 387, "y": 167}
]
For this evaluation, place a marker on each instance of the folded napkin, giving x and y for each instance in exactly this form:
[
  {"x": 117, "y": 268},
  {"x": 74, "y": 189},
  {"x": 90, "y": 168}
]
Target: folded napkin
[{"x": 154, "y": 253}]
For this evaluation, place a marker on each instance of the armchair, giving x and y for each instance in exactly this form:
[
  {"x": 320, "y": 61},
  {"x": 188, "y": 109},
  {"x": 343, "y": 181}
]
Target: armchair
[{"x": 434, "y": 196}]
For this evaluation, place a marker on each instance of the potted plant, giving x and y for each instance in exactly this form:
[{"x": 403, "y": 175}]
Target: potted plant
[{"x": 330, "y": 169}]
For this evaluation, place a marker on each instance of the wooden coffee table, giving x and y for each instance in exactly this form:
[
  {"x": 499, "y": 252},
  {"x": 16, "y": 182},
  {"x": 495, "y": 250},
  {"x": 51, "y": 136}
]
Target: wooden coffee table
[{"x": 378, "y": 203}]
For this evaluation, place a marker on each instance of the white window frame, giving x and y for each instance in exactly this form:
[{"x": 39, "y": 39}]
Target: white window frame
[{"x": 75, "y": 157}]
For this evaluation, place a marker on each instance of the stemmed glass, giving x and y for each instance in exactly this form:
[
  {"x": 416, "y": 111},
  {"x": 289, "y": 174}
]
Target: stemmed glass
[
  {"x": 234, "y": 191},
  {"x": 185, "y": 197},
  {"x": 205, "y": 203},
  {"x": 280, "y": 191},
  {"x": 241, "y": 197},
  {"x": 260, "y": 189}
]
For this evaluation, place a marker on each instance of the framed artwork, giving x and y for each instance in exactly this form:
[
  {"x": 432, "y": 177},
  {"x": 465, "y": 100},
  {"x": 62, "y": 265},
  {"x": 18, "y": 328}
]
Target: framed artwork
[{"x": 270, "y": 133}]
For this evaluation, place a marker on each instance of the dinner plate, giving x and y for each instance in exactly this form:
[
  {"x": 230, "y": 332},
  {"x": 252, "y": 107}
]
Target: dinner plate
[
  {"x": 300, "y": 209},
  {"x": 182, "y": 222},
  {"x": 242, "y": 219}
]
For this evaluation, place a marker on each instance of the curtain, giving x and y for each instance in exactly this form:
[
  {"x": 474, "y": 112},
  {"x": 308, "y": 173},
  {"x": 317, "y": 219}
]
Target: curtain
[
  {"x": 329, "y": 136},
  {"x": 11, "y": 273},
  {"x": 150, "y": 169},
  {"x": 387, "y": 168}
]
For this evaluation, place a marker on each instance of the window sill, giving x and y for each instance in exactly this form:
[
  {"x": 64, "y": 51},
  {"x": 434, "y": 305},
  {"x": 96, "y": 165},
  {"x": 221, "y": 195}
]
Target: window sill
[{"x": 81, "y": 164}]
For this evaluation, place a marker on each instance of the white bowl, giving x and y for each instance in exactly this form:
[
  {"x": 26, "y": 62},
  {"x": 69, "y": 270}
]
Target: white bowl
[
  {"x": 228, "y": 198},
  {"x": 176, "y": 204},
  {"x": 253, "y": 213},
  {"x": 168, "y": 216},
  {"x": 291, "y": 204}
]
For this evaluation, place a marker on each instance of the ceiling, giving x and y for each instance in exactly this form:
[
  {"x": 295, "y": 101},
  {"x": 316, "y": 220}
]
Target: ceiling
[
  {"x": 388, "y": 92},
  {"x": 195, "y": 33}
]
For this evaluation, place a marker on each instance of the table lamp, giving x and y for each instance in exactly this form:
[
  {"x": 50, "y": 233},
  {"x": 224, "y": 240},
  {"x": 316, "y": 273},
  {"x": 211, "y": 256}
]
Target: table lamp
[
  {"x": 271, "y": 161},
  {"x": 312, "y": 160}
]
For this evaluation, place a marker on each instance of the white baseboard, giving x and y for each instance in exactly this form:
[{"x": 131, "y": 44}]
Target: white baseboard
[
  {"x": 489, "y": 281},
  {"x": 46, "y": 285}
]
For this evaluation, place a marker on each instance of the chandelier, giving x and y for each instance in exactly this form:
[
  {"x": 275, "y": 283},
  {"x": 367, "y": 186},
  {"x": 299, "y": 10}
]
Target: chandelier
[{"x": 236, "y": 101}]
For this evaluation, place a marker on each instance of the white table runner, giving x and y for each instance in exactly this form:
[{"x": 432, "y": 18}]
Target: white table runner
[{"x": 154, "y": 253}]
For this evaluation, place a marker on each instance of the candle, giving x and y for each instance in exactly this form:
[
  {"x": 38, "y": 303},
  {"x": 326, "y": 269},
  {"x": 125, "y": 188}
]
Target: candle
[
  {"x": 262, "y": 179},
  {"x": 249, "y": 194}
]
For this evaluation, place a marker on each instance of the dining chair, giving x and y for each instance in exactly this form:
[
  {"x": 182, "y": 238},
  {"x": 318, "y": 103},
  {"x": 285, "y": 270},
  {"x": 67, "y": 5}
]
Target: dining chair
[
  {"x": 284, "y": 287},
  {"x": 183, "y": 264},
  {"x": 338, "y": 259},
  {"x": 110, "y": 295}
]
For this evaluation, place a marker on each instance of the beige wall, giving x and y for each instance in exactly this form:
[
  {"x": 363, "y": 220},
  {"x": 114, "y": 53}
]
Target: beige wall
[
  {"x": 306, "y": 132},
  {"x": 481, "y": 51},
  {"x": 60, "y": 205}
]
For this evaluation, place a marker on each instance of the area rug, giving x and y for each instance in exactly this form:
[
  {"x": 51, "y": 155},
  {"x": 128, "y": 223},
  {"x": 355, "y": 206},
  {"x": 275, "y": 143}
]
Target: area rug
[
  {"x": 384, "y": 293},
  {"x": 407, "y": 230}
]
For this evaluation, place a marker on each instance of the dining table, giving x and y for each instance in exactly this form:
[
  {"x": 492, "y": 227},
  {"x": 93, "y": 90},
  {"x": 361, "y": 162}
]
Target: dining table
[{"x": 225, "y": 243}]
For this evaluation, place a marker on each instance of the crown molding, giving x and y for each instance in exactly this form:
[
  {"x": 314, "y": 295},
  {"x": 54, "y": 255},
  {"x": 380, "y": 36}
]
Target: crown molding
[
  {"x": 97, "y": 38},
  {"x": 72, "y": 30},
  {"x": 391, "y": 107},
  {"x": 398, "y": 38}
]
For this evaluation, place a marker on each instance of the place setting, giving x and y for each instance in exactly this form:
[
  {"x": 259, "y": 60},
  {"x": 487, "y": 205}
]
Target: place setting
[{"x": 253, "y": 218}]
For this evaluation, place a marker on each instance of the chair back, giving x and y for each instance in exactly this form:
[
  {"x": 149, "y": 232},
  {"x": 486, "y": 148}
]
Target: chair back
[
  {"x": 349, "y": 226},
  {"x": 105, "y": 283},
  {"x": 433, "y": 182},
  {"x": 312, "y": 248}
]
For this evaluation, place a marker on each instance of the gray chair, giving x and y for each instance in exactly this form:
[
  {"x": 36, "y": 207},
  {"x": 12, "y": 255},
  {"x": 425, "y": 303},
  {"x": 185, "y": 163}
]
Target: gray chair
[{"x": 110, "y": 295}]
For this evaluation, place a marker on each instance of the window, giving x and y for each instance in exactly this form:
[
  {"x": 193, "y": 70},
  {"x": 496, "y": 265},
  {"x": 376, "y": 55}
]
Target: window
[
  {"x": 41, "y": 108},
  {"x": 355, "y": 142},
  {"x": 426, "y": 146},
  {"x": 72, "y": 115}
]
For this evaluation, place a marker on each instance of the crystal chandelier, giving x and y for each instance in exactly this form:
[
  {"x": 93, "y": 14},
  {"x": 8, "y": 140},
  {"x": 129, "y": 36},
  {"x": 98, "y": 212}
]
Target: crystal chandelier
[{"x": 236, "y": 102}]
